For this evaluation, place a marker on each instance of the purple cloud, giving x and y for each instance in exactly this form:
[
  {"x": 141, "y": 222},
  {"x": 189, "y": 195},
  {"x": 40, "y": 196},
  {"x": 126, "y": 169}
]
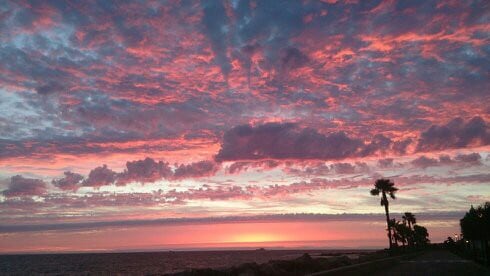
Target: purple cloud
[
  {"x": 21, "y": 186},
  {"x": 100, "y": 176},
  {"x": 471, "y": 158},
  {"x": 455, "y": 134},
  {"x": 70, "y": 182},
  {"x": 144, "y": 171},
  {"x": 285, "y": 141},
  {"x": 240, "y": 166},
  {"x": 425, "y": 162},
  {"x": 197, "y": 169}
]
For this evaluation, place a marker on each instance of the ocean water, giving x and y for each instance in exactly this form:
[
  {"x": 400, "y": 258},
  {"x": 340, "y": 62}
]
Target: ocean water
[{"x": 140, "y": 263}]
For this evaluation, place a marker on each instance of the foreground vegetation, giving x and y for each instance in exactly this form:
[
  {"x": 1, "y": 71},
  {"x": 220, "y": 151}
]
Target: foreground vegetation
[
  {"x": 474, "y": 241},
  {"x": 406, "y": 232}
]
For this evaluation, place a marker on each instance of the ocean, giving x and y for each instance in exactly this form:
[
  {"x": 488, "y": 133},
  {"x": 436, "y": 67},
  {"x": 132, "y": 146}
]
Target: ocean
[{"x": 142, "y": 262}]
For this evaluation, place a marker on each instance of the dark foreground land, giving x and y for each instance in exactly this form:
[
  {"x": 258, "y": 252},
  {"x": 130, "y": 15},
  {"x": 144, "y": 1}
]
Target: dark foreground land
[
  {"x": 147, "y": 263},
  {"x": 431, "y": 262},
  {"x": 250, "y": 262},
  {"x": 438, "y": 262}
]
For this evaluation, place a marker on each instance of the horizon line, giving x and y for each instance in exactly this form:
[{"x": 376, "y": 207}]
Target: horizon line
[{"x": 260, "y": 218}]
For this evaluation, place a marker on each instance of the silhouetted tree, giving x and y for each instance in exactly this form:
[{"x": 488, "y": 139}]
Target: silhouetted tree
[
  {"x": 420, "y": 235},
  {"x": 475, "y": 225},
  {"x": 394, "y": 234},
  {"x": 403, "y": 232},
  {"x": 409, "y": 220},
  {"x": 384, "y": 187},
  {"x": 400, "y": 232},
  {"x": 449, "y": 243}
]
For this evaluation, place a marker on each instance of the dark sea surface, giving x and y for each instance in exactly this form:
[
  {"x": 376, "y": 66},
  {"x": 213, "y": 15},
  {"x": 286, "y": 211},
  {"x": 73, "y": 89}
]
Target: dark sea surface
[{"x": 142, "y": 263}]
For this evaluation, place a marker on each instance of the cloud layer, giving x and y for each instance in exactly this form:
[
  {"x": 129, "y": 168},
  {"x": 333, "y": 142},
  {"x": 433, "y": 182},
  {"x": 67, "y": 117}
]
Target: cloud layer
[
  {"x": 185, "y": 109},
  {"x": 290, "y": 141}
]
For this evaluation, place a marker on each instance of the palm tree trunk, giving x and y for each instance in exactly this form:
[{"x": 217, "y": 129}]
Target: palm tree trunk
[
  {"x": 410, "y": 234},
  {"x": 387, "y": 218}
]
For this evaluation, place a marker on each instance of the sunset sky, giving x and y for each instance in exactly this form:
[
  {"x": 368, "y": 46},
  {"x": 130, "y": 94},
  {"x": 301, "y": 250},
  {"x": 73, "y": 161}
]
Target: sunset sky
[{"x": 147, "y": 125}]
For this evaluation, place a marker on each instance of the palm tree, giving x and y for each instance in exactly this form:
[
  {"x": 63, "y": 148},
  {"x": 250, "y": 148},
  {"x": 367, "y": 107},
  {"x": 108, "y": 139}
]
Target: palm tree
[
  {"x": 420, "y": 236},
  {"x": 395, "y": 235},
  {"x": 409, "y": 218},
  {"x": 403, "y": 232},
  {"x": 385, "y": 186}
]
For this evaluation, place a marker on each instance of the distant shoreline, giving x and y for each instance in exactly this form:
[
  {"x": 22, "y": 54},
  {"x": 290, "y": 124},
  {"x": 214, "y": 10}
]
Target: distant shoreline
[
  {"x": 162, "y": 262},
  {"x": 341, "y": 250}
]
